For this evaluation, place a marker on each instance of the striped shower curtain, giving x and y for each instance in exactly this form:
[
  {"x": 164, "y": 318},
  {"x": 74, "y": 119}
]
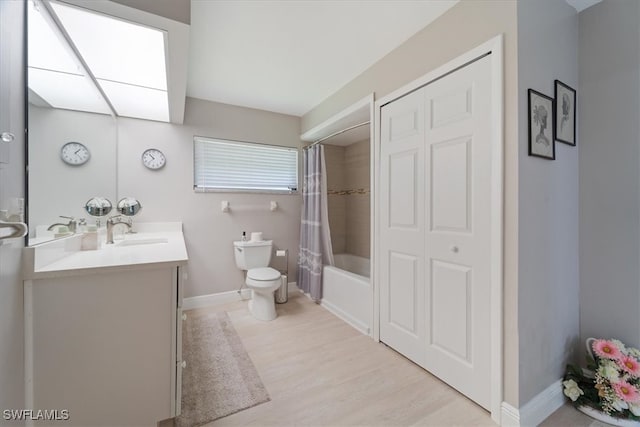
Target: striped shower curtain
[{"x": 315, "y": 237}]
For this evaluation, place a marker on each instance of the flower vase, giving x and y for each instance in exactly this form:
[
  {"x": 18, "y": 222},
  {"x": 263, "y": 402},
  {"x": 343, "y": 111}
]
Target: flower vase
[
  {"x": 596, "y": 413},
  {"x": 601, "y": 416}
]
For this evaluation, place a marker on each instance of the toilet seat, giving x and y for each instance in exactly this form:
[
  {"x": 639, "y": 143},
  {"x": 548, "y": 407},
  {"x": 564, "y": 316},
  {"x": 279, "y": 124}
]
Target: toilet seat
[{"x": 263, "y": 274}]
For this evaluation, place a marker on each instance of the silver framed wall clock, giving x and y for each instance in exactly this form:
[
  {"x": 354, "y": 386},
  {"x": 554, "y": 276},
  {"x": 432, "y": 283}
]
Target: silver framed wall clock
[
  {"x": 153, "y": 159},
  {"x": 75, "y": 153}
]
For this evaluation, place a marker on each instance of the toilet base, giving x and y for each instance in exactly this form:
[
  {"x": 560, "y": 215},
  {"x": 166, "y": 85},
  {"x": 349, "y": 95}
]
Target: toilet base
[{"x": 262, "y": 306}]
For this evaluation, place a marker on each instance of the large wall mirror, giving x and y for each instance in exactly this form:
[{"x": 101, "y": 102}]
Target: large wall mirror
[
  {"x": 64, "y": 107},
  {"x": 90, "y": 62}
]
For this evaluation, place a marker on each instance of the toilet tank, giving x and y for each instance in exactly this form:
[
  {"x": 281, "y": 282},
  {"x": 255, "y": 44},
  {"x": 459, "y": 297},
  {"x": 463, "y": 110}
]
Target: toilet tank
[{"x": 252, "y": 254}]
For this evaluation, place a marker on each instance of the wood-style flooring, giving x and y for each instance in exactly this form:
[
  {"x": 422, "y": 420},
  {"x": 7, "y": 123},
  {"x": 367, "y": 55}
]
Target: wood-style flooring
[{"x": 319, "y": 371}]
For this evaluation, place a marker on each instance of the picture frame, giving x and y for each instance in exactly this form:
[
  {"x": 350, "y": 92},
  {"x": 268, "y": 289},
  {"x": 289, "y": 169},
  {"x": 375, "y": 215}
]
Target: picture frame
[
  {"x": 565, "y": 113},
  {"x": 541, "y": 125}
]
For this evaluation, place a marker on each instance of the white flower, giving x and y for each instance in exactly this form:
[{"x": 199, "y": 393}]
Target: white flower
[
  {"x": 609, "y": 370},
  {"x": 619, "y": 405},
  {"x": 620, "y": 346},
  {"x": 571, "y": 390},
  {"x": 634, "y": 352},
  {"x": 635, "y": 409}
]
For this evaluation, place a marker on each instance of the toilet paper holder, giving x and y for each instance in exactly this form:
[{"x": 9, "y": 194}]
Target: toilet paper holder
[
  {"x": 284, "y": 253},
  {"x": 282, "y": 293}
]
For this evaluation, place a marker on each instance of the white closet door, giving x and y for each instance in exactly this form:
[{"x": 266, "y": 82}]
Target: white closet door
[
  {"x": 457, "y": 249},
  {"x": 402, "y": 222},
  {"x": 435, "y": 241}
]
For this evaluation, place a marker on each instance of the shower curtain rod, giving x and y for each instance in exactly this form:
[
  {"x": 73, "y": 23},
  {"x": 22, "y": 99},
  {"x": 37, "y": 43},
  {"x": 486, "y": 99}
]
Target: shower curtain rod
[{"x": 336, "y": 133}]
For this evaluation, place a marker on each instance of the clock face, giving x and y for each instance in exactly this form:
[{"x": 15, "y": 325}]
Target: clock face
[
  {"x": 153, "y": 159},
  {"x": 74, "y": 153}
]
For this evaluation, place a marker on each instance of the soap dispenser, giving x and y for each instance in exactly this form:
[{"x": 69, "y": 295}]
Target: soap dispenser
[
  {"x": 82, "y": 226},
  {"x": 244, "y": 236}
]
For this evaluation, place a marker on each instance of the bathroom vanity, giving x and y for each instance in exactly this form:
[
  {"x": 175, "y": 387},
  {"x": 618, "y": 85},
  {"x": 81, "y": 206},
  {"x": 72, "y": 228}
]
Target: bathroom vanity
[{"x": 103, "y": 327}]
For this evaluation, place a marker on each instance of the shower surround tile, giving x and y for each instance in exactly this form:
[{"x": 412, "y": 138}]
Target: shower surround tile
[{"x": 348, "y": 170}]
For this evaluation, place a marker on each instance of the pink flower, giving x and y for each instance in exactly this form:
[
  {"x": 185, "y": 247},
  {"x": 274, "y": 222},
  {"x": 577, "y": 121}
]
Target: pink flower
[
  {"x": 606, "y": 349},
  {"x": 630, "y": 365},
  {"x": 626, "y": 391}
]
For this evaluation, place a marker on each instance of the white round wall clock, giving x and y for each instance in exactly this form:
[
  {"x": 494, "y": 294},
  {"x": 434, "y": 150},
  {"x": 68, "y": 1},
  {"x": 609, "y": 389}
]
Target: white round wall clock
[
  {"x": 74, "y": 153},
  {"x": 154, "y": 159}
]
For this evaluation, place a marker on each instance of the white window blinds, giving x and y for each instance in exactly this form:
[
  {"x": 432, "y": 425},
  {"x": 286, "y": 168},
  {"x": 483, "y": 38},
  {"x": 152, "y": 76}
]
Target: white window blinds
[{"x": 221, "y": 165}]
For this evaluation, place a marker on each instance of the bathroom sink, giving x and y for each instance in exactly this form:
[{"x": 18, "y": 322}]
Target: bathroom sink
[{"x": 144, "y": 241}]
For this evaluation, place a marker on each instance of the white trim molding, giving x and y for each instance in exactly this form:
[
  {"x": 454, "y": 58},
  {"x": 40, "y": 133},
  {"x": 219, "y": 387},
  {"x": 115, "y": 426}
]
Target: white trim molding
[
  {"x": 220, "y": 298},
  {"x": 346, "y": 317},
  {"x": 510, "y": 416},
  {"x": 215, "y": 299},
  {"x": 536, "y": 410}
]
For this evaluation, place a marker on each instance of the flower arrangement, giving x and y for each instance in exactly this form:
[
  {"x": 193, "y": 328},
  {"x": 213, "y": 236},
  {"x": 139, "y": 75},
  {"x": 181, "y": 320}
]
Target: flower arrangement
[{"x": 611, "y": 382}]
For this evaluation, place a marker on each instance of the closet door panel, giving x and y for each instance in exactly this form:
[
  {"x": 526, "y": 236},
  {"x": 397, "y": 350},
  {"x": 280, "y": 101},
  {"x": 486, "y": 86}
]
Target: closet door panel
[
  {"x": 450, "y": 186},
  {"x": 457, "y": 256},
  {"x": 402, "y": 226}
]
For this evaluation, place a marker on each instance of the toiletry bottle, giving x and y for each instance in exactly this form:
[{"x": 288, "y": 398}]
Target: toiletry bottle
[
  {"x": 90, "y": 238},
  {"x": 244, "y": 236}
]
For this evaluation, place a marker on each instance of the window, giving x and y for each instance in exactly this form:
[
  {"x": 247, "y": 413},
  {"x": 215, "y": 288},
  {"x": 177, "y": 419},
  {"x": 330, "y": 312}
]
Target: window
[{"x": 221, "y": 165}]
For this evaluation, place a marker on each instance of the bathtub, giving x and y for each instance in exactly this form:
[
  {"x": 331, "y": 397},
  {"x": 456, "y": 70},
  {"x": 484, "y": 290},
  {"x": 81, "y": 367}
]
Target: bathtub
[{"x": 347, "y": 291}]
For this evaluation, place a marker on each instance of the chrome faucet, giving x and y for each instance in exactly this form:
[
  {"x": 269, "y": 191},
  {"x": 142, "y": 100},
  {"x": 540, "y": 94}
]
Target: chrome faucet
[
  {"x": 112, "y": 222},
  {"x": 72, "y": 224}
]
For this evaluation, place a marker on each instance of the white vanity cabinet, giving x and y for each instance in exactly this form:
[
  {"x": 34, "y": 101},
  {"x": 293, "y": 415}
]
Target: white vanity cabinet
[{"x": 104, "y": 343}]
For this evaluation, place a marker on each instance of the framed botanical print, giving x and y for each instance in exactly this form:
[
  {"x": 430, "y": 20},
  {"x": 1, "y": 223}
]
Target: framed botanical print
[
  {"x": 565, "y": 113},
  {"x": 541, "y": 141}
]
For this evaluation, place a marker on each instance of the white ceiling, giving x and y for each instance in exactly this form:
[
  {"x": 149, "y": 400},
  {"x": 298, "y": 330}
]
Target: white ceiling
[{"x": 288, "y": 56}]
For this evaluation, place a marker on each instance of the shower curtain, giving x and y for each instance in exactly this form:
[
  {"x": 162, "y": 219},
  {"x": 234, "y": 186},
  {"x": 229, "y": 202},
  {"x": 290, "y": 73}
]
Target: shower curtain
[{"x": 315, "y": 238}]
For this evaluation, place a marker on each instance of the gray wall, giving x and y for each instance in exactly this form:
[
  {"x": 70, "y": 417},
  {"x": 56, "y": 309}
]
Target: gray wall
[
  {"x": 609, "y": 103},
  {"x": 548, "y": 272},
  {"x": 463, "y": 27},
  {"x": 168, "y": 195},
  {"x": 11, "y": 187}
]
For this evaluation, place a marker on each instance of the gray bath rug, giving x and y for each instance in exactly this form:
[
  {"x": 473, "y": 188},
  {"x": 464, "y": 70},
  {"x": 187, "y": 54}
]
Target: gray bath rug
[{"x": 219, "y": 378}]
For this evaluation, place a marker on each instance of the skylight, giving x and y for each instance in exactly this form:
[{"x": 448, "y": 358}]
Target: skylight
[
  {"x": 55, "y": 74},
  {"x": 67, "y": 91},
  {"x": 46, "y": 48},
  {"x": 126, "y": 60},
  {"x": 116, "y": 50}
]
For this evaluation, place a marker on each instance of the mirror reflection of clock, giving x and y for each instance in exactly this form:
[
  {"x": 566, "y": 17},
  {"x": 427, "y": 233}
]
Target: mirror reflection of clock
[
  {"x": 74, "y": 153},
  {"x": 153, "y": 159}
]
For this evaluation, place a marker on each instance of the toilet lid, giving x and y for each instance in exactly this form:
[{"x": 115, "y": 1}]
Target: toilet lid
[{"x": 263, "y": 273}]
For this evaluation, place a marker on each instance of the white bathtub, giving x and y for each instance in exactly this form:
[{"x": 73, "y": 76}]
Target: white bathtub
[{"x": 347, "y": 291}]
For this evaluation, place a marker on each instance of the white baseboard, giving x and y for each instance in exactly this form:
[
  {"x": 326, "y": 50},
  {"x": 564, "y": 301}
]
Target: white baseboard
[
  {"x": 293, "y": 288},
  {"x": 510, "y": 416},
  {"x": 360, "y": 326},
  {"x": 536, "y": 410},
  {"x": 215, "y": 299},
  {"x": 224, "y": 298}
]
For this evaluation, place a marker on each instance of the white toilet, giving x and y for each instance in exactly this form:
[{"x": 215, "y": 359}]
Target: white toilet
[{"x": 254, "y": 257}]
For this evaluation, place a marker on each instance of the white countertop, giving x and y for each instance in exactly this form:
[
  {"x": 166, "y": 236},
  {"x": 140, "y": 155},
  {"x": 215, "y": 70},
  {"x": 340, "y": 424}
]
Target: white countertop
[{"x": 154, "y": 243}]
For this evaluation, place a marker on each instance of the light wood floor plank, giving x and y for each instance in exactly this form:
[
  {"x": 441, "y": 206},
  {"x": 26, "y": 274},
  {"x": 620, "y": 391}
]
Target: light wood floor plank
[{"x": 319, "y": 371}]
